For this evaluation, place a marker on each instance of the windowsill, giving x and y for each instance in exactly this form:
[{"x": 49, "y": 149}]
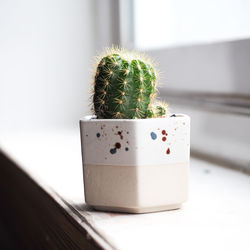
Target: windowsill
[{"x": 217, "y": 215}]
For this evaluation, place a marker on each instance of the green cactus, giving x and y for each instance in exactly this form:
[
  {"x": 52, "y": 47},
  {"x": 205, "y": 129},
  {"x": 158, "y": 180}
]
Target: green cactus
[{"x": 125, "y": 89}]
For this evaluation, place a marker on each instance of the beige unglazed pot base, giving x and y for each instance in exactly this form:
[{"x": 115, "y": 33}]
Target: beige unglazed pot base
[
  {"x": 136, "y": 189},
  {"x": 138, "y": 210}
]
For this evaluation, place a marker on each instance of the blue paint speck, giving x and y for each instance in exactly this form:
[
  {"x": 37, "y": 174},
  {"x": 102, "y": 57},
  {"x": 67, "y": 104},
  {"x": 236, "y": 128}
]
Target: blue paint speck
[
  {"x": 98, "y": 135},
  {"x": 153, "y": 135},
  {"x": 113, "y": 151},
  {"x": 127, "y": 149}
]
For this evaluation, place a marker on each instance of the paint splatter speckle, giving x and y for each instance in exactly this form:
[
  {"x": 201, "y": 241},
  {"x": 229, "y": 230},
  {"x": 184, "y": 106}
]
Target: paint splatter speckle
[
  {"x": 164, "y": 138},
  {"x": 113, "y": 151},
  {"x": 163, "y": 132},
  {"x": 120, "y": 134},
  {"x": 173, "y": 115},
  {"x": 98, "y": 135},
  {"x": 153, "y": 135},
  {"x": 168, "y": 151},
  {"x": 127, "y": 149}
]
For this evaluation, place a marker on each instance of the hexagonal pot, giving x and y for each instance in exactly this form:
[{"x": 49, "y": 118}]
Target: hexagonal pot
[{"x": 136, "y": 166}]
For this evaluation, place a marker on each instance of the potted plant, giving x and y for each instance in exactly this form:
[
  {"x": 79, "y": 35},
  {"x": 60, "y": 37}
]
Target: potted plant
[{"x": 135, "y": 153}]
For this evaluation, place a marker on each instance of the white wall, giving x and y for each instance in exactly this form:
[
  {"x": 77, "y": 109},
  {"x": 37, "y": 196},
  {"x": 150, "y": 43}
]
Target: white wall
[{"x": 46, "y": 51}]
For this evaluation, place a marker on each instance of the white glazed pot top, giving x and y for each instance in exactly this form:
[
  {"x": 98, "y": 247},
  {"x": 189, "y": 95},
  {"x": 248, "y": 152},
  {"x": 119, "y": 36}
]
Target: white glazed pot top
[{"x": 125, "y": 142}]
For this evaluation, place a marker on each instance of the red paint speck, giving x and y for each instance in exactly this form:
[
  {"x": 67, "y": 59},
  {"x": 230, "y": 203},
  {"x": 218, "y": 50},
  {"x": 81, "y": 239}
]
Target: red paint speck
[
  {"x": 120, "y": 134},
  {"x": 118, "y": 145},
  {"x": 164, "y": 138},
  {"x": 168, "y": 151},
  {"x": 163, "y": 132}
]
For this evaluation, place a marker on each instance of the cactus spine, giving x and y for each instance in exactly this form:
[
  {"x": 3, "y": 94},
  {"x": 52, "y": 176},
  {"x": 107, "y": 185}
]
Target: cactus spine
[{"x": 125, "y": 88}]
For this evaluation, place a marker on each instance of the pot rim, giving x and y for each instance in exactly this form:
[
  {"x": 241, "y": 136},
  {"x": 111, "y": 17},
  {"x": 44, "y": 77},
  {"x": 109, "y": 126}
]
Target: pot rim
[{"x": 92, "y": 118}]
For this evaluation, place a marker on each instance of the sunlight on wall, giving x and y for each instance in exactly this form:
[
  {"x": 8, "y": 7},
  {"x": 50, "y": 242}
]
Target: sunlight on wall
[{"x": 46, "y": 48}]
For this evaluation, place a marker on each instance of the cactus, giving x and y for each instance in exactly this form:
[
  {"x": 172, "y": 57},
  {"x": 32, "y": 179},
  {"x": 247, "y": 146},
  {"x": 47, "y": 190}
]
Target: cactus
[{"x": 125, "y": 87}]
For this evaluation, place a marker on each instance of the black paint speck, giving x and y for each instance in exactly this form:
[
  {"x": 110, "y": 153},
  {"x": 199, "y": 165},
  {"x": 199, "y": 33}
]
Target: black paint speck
[
  {"x": 173, "y": 115},
  {"x": 98, "y": 135},
  {"x": 127, "y": 149},
  {"x": 113, "y": 151}
]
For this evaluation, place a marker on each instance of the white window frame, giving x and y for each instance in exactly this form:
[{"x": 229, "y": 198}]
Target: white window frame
[{"x": 218, "y": 86}]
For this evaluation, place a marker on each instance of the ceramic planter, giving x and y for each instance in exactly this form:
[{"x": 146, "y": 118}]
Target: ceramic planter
[{"x": 136, "y": 166}]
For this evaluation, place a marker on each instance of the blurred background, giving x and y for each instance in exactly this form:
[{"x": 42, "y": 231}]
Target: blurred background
[{"x": 203, "y": 49}]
